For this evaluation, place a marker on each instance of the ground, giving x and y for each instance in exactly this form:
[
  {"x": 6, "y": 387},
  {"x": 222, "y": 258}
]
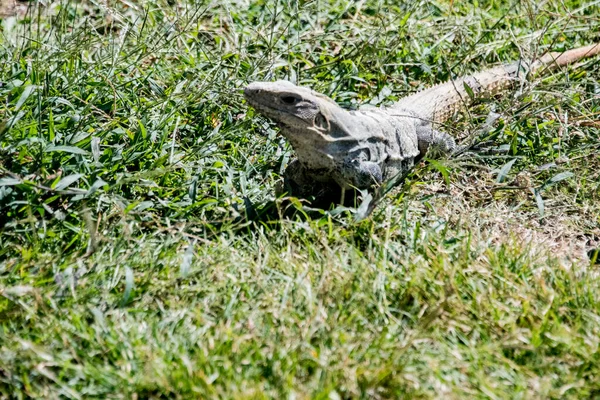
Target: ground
[{"x": 143, "y": 253}]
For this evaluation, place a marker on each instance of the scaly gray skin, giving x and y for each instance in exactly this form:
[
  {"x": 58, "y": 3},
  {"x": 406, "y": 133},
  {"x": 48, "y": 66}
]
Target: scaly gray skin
[
  {"x": 359, "y": 149},
  {"x": 351, "y": 148}
]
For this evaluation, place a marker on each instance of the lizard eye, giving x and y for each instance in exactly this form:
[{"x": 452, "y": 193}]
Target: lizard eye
[{"x": 290, "y": 100}]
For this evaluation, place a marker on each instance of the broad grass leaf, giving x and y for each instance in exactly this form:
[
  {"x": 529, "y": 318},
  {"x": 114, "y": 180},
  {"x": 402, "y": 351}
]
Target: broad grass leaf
[
  {"x": 95, "y": 186},
  {"x": 539, "y": 201},
  {"x": 186, "y": 262},
  {"x": 561, "y": 177},
  {"x": 24, "y": 96},
  {"x": 79, "y": 136},
  {"x": 51, "y": 126},
  {"x": 12, "y": 121},
  {"x": 594, "y": 255},
  {"x": 19, "y": 290},
  {"x": 67, "y": 181},
  {"x": 128, "y": 286},
  {"x": 10, "y": 182},
  {"x": 364, "y": 209},
  {"x": 192, "y": 189},
  {"x": 469, "y": 91},
  {"x": 66, "y": 149},
  {"x": 505, "y": 170},
  {"x": 557, "y": 178},
  {"x": 61, "y": 100},
  {"x": 95, "y": 144}
]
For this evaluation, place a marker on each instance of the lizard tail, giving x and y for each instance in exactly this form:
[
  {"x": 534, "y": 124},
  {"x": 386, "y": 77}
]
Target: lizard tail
[
  {"x": 557, "y": 59},
  {"x": 439, "y": 102}
]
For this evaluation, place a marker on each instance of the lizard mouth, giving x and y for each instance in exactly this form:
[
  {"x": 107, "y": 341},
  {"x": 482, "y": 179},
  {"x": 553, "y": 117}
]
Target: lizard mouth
[
  {"x": 275, "y": 113},
  {"x": 262, "y": 101},
  {"x": 253, "y": 98}
]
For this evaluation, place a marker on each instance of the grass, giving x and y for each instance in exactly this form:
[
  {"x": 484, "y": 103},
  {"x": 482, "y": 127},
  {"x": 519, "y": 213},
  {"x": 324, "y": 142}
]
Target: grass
[{"x": 143, "y": 253}]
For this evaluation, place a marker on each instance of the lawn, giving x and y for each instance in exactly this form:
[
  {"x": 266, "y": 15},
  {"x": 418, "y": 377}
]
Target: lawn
[{"x": 144, "y": 254}]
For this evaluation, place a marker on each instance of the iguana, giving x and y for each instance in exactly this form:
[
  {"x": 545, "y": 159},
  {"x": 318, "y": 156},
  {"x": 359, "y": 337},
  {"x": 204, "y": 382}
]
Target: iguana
[{"x": 359, "y": 149}]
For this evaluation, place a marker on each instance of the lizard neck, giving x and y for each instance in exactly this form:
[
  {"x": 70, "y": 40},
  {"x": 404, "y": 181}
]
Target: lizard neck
[{"x": 332, "y": 137}]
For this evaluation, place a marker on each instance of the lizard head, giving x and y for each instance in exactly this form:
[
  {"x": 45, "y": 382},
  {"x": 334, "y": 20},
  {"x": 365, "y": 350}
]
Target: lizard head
[{"x": 292, "y": 107}]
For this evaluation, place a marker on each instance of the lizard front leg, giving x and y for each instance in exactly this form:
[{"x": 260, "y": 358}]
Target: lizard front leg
[
  {"x": 354, "y": 172},
  {"x": 358, "y": 173},
  {"x": 303, "y": 182},
  {"x": 433, "y": 141}
]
